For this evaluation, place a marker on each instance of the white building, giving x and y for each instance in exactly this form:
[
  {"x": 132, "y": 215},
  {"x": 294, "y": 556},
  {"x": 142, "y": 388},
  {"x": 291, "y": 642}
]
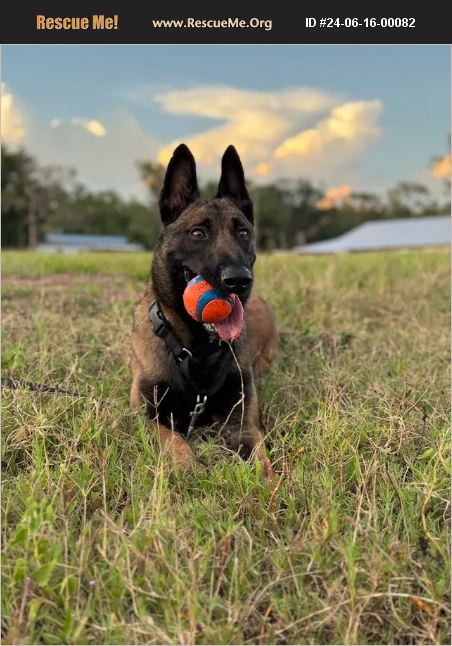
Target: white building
[{"x": 400, "y": 233}]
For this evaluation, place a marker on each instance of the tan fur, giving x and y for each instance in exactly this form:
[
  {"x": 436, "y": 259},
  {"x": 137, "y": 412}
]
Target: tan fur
[
  {"x": 262, "y": 333},
  {"x": 263, "y": 340},
  {"x": 225, "y": 224}
]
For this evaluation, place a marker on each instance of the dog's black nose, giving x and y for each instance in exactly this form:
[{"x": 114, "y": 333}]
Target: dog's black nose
[{"x": 235, "y": 279}]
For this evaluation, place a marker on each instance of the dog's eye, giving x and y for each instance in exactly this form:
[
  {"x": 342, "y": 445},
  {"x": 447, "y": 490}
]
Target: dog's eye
[
  {"x": 197, "y": 233},
  {"x": 243, "y": 234}
]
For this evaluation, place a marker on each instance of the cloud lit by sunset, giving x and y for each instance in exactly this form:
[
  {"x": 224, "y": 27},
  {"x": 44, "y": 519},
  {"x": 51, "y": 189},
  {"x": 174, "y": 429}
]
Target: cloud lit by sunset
[
  {"x": 93, "y": 126},
  {"x": 334, "y": 196},
  {"x": 12, "y": 126},
  {"x": 352, "y": 124},
  {"x": 292, "y": 112},
  {"x": 442, "y": 168},
  {"x": 254, "y": 121},
  {"x": 263, "y": 169}
]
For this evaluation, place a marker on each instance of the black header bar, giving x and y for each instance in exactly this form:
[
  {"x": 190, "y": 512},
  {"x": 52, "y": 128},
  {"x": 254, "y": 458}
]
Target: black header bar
[{"x": 281, "y": 22}]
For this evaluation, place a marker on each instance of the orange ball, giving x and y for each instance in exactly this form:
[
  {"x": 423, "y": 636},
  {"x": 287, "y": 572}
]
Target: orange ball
[{"x": 204, "y": 303}]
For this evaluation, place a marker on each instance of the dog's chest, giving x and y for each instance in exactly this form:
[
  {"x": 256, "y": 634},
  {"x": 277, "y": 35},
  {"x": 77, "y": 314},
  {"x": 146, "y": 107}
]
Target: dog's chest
[{"x": 173, "y": 405}]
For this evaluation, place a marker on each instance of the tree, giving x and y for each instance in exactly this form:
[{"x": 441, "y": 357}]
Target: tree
[
  {"x": 153, "y": 175},
  {"x": 17, "y": 169},
  {"x": 40, "y": 199},
  {"x": 272, "y": 215},
  {"x": 306, "y": 219},
  {"x": 408, "y": 199},
  {"x": 30, "y": 194}
]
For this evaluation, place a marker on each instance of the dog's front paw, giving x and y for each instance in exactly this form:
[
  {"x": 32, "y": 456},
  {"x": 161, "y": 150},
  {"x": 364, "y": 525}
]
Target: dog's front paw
[
  {"x": 183, "y": 459},
  {"x": 177, "y": 450}
]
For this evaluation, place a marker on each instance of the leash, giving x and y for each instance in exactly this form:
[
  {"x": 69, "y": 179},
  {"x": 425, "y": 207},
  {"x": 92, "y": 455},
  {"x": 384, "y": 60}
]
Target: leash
[
  {"x": 16, "y": 384},
  {"x": 184, "y": 359}
]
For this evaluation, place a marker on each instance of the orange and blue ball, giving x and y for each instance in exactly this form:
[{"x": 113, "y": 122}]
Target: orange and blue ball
[{"x": 206, "y": 304}]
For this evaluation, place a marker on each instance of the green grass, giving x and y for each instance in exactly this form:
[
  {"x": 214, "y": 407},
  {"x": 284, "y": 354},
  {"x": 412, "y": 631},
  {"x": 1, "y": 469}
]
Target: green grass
[{"x": 349, "y": 544}]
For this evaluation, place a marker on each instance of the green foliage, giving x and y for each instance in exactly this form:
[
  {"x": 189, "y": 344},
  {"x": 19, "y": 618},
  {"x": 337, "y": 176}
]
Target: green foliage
[
  {"x": 39, "y": 200},
  {"x": 16, "y": 168},
  {"x": 348, "y": 544},
  {"x": 30, "y": 194},
  {"x": 105, "y": 213}
]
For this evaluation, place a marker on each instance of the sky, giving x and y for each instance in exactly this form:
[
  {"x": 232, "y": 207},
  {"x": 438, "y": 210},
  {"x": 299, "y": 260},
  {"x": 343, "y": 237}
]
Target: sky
[{"x": 349, "y": 118}]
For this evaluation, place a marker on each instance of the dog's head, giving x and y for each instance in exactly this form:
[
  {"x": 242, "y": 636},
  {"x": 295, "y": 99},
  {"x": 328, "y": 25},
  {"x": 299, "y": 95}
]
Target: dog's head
[{"x": 213, "y": 238}]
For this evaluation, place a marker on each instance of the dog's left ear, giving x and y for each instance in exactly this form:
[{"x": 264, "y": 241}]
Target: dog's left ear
[
  {"x": 180, "y": 187},
  {"x": 232, "y": 182}
]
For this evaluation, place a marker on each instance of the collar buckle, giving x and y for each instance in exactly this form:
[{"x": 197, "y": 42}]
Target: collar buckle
[{"x": 180, "y": 357}]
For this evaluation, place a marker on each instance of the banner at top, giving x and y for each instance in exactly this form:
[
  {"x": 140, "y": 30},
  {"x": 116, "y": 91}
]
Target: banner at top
[{"x": 231, "y": 23}]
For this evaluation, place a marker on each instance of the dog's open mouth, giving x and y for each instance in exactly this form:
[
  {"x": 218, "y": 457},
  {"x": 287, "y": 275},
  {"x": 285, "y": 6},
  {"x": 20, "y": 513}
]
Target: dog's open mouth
[
  {"x": 188, "y": 274},
  {"x": 229, "y": 328}
]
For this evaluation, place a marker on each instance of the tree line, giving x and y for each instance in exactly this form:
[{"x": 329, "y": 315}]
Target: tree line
[{"x": 39, "y": 199}]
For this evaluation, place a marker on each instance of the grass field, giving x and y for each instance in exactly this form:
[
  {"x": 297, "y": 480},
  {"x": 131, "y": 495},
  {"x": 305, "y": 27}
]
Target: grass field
[{"x": 348, "y": 545}]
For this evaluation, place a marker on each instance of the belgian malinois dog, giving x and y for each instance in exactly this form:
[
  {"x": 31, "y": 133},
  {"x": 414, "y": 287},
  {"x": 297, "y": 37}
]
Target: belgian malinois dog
[{"x": 191, "y": 374}]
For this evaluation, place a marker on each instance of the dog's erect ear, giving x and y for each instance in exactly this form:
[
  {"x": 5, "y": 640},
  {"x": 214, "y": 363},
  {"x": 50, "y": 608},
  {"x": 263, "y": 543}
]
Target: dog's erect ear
[
  {"x": 232, "y": 182},
  {"x": 180, "y": 187}
]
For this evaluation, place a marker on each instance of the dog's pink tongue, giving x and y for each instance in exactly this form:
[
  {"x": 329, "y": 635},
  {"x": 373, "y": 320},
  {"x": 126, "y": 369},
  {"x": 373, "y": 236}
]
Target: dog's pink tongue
[{"x": 231, "y": 327}]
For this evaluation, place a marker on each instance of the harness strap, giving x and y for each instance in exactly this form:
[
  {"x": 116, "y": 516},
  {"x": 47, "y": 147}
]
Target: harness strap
[
  {"x": 184, "y": 357},
  {"x": 164, "y": 330}
]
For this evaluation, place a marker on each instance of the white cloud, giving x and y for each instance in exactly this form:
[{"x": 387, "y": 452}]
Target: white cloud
[
  {"x": 12, "y": 124},
  {"x": 353, "y": 124},
  {"x": 56, "y": 122},
  {"x": 102, "y": 161},
  {"x": 253, "y": 121},
  {"x": 103, "y": 151},
  {"x": 288, "y": 132},
  {"x": 93, "y": 126}
]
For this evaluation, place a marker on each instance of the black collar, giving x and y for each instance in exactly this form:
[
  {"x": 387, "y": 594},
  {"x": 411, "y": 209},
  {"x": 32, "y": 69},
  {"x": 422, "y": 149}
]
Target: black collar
[{"x": 183, "y": 356}]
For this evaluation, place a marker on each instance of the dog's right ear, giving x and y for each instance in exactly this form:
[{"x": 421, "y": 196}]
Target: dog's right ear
[
  {"x": 180, "y": 187},
  {"x": 232, "y": 182}
]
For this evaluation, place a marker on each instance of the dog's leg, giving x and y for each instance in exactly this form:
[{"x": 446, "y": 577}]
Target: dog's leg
[
  {"x": 135, "y": 394},
  {"x": 175, "y": 447}
]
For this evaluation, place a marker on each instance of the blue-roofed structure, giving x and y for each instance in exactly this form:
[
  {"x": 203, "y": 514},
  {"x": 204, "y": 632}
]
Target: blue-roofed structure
[
  {"x": 76, "y": 242},
  {"x": 400, "y": 233}
]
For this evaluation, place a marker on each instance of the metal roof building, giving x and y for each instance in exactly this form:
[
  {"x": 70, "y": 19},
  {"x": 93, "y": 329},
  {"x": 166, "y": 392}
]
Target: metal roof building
[
  {"x": 400, "y": 233},
  {"x": 75, "y": 242}
]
